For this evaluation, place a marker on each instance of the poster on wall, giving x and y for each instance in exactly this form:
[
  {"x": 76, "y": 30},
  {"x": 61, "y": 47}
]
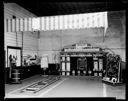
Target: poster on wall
[{"x": 14, "y": 56}]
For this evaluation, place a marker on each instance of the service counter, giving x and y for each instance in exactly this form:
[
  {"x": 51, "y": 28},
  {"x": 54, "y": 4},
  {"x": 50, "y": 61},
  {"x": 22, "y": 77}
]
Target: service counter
[{"x": 28, "y": 71}]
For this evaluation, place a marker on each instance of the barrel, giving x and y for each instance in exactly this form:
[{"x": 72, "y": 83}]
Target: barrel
[{"x": 16, "y": 76}]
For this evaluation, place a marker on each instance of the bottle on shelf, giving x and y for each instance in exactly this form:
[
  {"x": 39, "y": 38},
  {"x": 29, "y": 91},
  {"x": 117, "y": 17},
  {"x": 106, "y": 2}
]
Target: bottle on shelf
[
  {"x": 89, "y": 72},
  {"x": 84, "y": 72},
  {"x": 78, "y": 72},
  {"x": 73, "y": 72}
]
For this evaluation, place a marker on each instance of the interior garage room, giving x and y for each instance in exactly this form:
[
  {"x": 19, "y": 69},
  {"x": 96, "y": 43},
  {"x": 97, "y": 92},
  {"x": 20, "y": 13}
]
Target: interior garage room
[{"x": 65, "y": 49}]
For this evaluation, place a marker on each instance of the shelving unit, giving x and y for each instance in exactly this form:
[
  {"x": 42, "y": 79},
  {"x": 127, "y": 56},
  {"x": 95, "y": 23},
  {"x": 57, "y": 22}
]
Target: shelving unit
[
  {"x": 114, "y": 80},
  {"x": 98, "y": 63}
]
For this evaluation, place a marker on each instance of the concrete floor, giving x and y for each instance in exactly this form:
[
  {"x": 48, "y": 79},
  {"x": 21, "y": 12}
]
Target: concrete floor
[{"x": 71, "y": 86}]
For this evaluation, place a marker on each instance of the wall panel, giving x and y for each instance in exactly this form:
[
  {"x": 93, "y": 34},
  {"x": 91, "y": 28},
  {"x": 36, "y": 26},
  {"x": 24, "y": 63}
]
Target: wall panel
[{"x": 30, "y": 41}]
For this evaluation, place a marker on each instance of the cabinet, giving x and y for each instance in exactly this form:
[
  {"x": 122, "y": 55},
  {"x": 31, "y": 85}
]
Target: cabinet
[
  {"x": 95, "y": 63},
  {"x": 28, "y": 71}
]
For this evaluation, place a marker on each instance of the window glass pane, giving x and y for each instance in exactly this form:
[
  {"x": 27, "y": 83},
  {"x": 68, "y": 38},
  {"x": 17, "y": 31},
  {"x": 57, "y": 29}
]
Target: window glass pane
[
  {"x": 56, "y": 22},
  {"x": 93, "y": 20},
  {"x": 73, "y": 18},
  {"x": 75, "y": 21},
  {"x": 25, "y": 24},
  {"x": 85, "y": 20},
  {"x": 13, "y": 25},
  {"x": 42, "y": 23},
  {"x": 98, "y": 20},
  {"x": 90, "y": 22},
  {"x": 80, "y": 21},
  {"x": 60, "y": 22},
  {"x": 51, "y": 23},
  {"x": 65, "y": 22},
  {"x": 30, "y": 24},
  {"x": 70, "y": 21},
  {"x": 17, "y": 25},
  {"x": 101, "y": 19},
  {"x": 21, "y": 24},
  {"x": 47, "y": 23}
]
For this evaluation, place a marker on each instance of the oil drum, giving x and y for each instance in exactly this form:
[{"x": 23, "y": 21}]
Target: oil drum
[{"x": 16, "y": 76}]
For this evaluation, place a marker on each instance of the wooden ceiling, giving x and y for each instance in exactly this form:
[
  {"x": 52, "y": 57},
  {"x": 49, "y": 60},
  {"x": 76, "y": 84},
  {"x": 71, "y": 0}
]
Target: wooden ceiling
[{"x": 43, "y": 8}]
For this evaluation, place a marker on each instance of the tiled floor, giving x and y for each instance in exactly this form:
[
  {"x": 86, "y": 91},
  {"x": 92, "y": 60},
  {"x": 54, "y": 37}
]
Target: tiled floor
[{"x": 72, "y": 87}]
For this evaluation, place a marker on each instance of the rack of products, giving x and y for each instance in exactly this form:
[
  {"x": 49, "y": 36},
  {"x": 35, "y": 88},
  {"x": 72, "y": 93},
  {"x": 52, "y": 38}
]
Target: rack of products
[{"x": 113, "y": 70}]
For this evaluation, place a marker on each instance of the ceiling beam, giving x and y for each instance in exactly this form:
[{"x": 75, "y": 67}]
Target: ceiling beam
[{"x": 62, "y": 8}]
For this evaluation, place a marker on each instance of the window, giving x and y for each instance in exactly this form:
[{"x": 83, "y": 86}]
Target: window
[{"x": 35, "y": 24}]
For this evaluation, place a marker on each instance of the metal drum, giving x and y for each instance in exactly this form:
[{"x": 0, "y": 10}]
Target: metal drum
[{"x": 16, "y": 76}]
